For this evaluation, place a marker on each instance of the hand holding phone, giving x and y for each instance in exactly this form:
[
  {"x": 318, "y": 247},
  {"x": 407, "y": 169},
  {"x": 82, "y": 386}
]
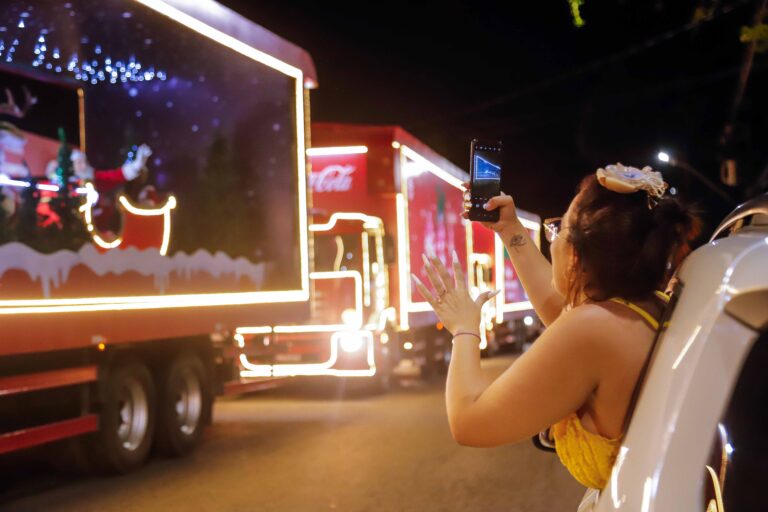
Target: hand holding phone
[{"x": 485, "y": 179}]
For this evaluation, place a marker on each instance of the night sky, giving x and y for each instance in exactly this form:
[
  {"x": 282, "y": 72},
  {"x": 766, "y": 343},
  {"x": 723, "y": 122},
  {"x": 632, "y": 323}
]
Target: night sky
[{"x": 639, "y": 76}]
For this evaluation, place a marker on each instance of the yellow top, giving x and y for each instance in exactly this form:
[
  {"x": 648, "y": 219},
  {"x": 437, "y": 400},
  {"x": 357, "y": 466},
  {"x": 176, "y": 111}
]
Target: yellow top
[{"x": 589, "y": 457}]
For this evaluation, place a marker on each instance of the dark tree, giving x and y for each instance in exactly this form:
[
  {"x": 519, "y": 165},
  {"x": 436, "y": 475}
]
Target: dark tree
[{"x": 213, "y": 215}]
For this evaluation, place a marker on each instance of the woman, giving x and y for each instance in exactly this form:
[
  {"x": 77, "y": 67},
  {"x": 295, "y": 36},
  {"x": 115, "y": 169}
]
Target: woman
[{"x": 612, "y": 252}]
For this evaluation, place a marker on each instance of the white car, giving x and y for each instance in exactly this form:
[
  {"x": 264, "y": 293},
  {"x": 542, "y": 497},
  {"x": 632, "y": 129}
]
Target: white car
[{"x": 699, "y": 435}]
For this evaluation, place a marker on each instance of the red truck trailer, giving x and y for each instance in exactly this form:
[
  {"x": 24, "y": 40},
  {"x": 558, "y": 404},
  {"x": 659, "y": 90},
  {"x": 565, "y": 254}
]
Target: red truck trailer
[
  {"x": 511, "y": 314},
  {"x": 153, "y": 198},
  {"x": 381, "y": 199}
]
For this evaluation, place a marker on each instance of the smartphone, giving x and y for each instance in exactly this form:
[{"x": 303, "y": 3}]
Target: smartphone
[{"x": 485, "y": 179}]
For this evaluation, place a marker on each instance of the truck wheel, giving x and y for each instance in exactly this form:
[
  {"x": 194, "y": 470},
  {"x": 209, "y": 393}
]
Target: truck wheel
[
  {"x": 127, "y": 420},
  {"x": 184, "y": 405}
]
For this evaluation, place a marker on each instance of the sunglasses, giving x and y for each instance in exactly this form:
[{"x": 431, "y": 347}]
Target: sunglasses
[{"x": 552, "y": 228}]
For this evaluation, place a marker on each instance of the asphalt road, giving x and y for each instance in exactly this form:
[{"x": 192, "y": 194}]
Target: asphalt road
[{"x": 310, "y": 447}]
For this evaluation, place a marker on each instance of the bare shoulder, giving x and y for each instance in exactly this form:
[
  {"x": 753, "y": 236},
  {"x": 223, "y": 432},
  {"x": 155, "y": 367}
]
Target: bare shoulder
[
  {"x": 588, "y": 321},
  {"x": 592, "y": 330}
]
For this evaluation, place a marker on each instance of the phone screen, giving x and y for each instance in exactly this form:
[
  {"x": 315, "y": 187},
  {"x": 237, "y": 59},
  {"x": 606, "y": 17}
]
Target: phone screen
[{"x": 485, "y": 179}]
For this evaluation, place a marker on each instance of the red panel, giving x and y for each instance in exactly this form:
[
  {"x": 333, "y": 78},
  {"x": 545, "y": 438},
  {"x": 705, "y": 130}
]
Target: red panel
[
  {"x": 435, "y": 225},
  {"x": 46, "y": 380},
  {"x": 483, "y": 240},
  {"x": 27, "y": 438},
  {"x": 61, "y": 331}
]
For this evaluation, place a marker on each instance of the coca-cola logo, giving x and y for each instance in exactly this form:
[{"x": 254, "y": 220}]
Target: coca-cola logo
[{"x": 334, "y": 178}]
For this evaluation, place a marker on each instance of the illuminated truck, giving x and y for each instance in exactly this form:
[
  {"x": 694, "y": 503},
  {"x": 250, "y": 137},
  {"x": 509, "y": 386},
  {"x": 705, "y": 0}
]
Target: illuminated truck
[
  {"x": 153, "y": 198},
  {"x": 511, "y": 318},
  {"x": 380, "y": 200}
]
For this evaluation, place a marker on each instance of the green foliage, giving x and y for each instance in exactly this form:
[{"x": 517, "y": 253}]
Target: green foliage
[
  {"x": 70, "y": 231},
  {"x": 575, "y": 5},
  {"x": 758, "y": 35},
  {"x": 6, "y": 232},
  {"x": 26, "y": 225}
]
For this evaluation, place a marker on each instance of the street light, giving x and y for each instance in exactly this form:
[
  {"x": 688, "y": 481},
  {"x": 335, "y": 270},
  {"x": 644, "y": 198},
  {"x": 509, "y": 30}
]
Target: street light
[{"x": 665, "y": 157}]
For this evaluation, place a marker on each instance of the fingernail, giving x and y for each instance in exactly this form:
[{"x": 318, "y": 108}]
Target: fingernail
[
  {"x": 495, "y": 293},
  {"x": 425, "y": 259},
  {"x": 416, "y": 279},
  {"x": 455, "y": 257},
  {"x": 485, "y": 206}
]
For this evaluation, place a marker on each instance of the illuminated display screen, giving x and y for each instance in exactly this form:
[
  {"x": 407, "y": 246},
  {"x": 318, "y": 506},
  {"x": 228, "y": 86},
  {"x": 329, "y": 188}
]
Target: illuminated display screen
[
  {"x": 221, "y": 128},
  {"x": 486, "y": 170}
]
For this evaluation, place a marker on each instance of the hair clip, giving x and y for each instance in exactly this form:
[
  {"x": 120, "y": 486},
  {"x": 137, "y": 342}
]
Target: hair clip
[{"x": 628, "y": 180}]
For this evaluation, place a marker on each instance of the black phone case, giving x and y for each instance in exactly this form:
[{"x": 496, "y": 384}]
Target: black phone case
[{"x": 477, "y": 212}]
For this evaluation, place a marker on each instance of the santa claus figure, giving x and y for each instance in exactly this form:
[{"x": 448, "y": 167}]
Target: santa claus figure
[
  {"x": 107, "y": 180},
  {"x": 12, "y": 142}
]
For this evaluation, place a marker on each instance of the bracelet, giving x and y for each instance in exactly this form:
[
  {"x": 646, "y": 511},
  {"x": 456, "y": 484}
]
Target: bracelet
[{"x": 467, "y": 334}]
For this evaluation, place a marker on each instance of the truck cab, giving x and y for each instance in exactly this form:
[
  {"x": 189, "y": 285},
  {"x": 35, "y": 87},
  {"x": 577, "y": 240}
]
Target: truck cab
[{"x": 351, "y": 323}]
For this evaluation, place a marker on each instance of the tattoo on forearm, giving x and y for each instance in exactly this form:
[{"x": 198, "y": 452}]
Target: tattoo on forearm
[{"x": 517, "y": 241}]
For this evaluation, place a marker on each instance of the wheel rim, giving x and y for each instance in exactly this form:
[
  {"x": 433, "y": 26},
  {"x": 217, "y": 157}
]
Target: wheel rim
[
  {"x": 188, "y": 403},
  {"x": 132, "y": 414}
]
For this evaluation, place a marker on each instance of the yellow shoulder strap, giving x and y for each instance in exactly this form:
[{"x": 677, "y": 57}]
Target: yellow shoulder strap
[{"x": 640, "y": 311}]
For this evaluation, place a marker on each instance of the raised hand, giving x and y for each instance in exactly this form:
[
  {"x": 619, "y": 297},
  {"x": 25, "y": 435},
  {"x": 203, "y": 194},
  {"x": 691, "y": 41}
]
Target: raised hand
[
  {"x": 507, "y": 211},
  {"x": 450, "y": 297}
]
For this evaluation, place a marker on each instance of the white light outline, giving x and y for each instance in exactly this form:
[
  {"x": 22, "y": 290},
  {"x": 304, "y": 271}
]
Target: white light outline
[
  {"x": 501, "y": 304},
  {"x": 93, "y": 304},
  {"x": 431, "y": 167},
  {"x": 408, "y": 153},
  {"x": 222, "y": 38},
  {"x": 370, "y": 221},
  {"x": 254, "y": 330},
  {"x": 294, "y": 329},
  {"x": 14, "y": 307},
  {"x": 91, "y": 197},
  {"x": 500, "y": 271},
  {"x": 164, "y": 210},
  {"x": 366, "y": 269},
  {"x": 314, "y": 369},
  {"x": 487, "y": 316},
  {"x": 337, "y": 150},
  {"x": 403, "y": 265}
]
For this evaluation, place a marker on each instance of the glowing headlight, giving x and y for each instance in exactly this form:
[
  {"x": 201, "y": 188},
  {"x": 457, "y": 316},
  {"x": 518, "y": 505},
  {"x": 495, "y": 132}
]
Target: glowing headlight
[
  {"x": 349, "y": 317},
  {"x": 528, "y": 320},
  {"x": 351, "y": 343}
]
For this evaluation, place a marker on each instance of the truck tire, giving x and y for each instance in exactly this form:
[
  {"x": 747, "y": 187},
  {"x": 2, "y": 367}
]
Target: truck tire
[
  {"x": 126, "y": 422},
  {"x": 184, "y": 403}
]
